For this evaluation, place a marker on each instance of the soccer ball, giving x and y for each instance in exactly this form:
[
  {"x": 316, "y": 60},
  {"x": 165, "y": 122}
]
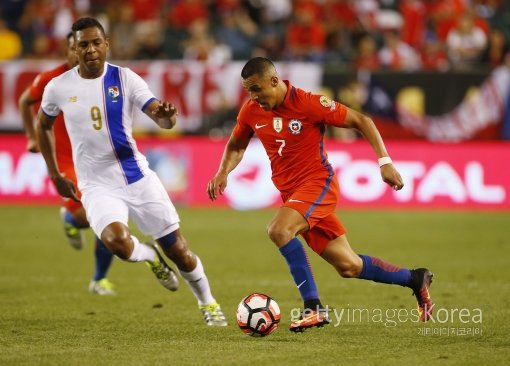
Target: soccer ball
[{"x": 258, "y": 315}]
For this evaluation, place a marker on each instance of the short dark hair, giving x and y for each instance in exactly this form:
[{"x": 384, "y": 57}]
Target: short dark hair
[
  {"x": 87, "y": 22},
  {"x": 257, "y": 65}
]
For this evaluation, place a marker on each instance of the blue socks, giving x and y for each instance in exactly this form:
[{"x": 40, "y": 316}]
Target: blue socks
[
  {"x": 103, "y": 260},
  {"x": 297, "y": 260},
  {"x": 377, "y": 270},
  {"x": 68, "y": 217}
]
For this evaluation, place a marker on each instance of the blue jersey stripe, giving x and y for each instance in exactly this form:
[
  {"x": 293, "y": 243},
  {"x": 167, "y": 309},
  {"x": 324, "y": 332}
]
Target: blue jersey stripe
[
  {"x": 321, "y": 196},
  {"x": 114, "y": 103},
  {"x": 326, "y": 164}
]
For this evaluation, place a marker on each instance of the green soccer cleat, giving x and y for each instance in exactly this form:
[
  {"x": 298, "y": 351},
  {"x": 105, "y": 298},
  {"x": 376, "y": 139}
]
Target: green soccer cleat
[
  {"x": 163, "y": 272},
  {"x": 102, "y": 287},
  {"x": 74, "y": 235},
  {"x": 213, "y": 315}
]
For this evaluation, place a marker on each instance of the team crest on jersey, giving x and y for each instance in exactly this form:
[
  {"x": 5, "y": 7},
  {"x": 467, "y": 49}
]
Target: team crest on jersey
[
  {"x": 295, "y": 126},
  {"x": 278, "y": 124},
  {"x": 325, "y": 101},
  {"x": 113, "y": 92}
]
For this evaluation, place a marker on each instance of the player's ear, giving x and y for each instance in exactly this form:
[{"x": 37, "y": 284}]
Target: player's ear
[{"x": 274, "y": 80}]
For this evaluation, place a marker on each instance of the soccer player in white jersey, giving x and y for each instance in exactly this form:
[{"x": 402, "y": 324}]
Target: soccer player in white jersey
[{"x": 97, "y": 99}]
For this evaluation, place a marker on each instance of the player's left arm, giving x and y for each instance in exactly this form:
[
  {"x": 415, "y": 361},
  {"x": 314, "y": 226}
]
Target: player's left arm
[
  {"x": 46, "y": 141},
  {"x": 368, "y": 129},
  {"x": 163, "y": 113}
]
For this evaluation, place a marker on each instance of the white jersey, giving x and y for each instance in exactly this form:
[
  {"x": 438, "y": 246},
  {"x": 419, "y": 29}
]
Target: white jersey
[{"x": 98, "y": 115}]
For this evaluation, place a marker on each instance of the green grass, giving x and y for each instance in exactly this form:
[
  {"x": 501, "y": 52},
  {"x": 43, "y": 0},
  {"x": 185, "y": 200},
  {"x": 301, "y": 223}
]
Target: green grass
[{"x": 47, "y": 317}]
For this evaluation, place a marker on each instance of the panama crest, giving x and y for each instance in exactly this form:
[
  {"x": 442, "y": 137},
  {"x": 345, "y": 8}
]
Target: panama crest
[{"x": 113, "y": 92}]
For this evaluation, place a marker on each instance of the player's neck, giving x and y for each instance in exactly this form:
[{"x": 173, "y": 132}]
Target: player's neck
[
  {"x": 282, "y": 92},
  {"x": 91, "y": 73}
]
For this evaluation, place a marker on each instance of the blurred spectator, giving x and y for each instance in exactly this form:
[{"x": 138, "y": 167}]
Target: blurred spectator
[
  {"x": 10, "y": 41},
  {"x": 444, "y": 14},
  {"x": 306, "y": 38},
  {"x": 186, "y": 12},
  {"x": 202, "y": 46},
  {"x": 124, "y": 42},
  {"x": 238, "y": 31},
  {"x": 465, "y": 43},
  {"x": 398, "y": 55},
  {"x": 414, "y": 15},
  {"x": 433, "y": 55},
  {"x": 11, "y": 11},
  {"x": 366, "y": 56},
  {"x": 496, "y": 50}
]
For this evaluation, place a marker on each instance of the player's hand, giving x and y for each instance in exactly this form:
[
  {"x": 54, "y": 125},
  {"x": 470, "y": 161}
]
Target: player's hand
[
  {"x": 32, "y": 146},
  {"x": 392, "y": 177},
  {"x": 216, "y": 186},
  {"x": 65, "y": 187},
  {"x": 165, "y": 114}
]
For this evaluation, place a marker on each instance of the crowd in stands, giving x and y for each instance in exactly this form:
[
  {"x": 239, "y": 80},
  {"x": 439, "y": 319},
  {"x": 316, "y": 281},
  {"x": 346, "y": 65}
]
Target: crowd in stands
[{"x": 403, "y": 35}]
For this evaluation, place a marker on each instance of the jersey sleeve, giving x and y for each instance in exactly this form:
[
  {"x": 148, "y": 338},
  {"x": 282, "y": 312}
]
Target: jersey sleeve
[
  {"x": 36, "y": 89},
  {"x": 242, "y": 128},
  {"x": 137, "y": 89},
  {"x": 323, "y": 109},
  {"x": 49, "y": 103}
]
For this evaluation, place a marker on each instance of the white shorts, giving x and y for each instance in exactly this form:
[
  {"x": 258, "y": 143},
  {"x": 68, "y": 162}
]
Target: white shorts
[{"x": 146, "y": 202}]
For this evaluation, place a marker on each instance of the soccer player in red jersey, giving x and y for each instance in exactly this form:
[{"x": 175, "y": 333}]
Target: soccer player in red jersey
[
  {"x": 72, "y": 212},
  {"x": 290, "y": 124}
]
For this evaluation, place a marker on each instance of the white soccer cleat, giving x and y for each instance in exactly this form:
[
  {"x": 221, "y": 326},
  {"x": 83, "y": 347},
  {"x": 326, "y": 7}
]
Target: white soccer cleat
[{"x": 102, "y": 287}]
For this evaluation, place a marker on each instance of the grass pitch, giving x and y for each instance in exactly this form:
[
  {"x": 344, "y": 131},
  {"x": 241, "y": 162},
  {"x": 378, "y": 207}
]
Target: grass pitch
[{"x": 47, "y": 317}]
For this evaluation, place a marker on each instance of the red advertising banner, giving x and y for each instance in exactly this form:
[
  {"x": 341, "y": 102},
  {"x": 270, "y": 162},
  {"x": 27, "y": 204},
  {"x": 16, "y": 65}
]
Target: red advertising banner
[{"x": 438, "y": 176}]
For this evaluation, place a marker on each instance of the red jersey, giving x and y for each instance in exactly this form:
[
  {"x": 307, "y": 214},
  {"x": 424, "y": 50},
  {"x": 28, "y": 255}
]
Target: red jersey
[
  {"x": 62, "y": 144},
  {"x": 293, "y": 135}
]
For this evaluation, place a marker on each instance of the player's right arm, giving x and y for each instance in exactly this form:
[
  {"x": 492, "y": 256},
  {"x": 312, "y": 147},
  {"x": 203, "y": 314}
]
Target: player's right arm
[
  {"x": 232, "y": 156},
  {"x": 25, "y": 105},
  {"x": 45, "y": 139}
]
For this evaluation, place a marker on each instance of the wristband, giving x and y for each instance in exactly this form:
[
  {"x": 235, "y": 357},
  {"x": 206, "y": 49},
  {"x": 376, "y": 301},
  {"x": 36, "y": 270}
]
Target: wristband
[{"x": 384, "y": 160}]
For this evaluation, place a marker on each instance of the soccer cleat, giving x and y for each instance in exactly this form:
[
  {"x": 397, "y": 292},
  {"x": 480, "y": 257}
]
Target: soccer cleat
[
  {"x": 310, "y": 319},
  {"x": 74, "y": 235},
  {"x": 102, "y": 287},
  {"x": 421, "y": 279},
  {"x": 161, "y": 270},
  {"x": 213, "y": 315}
]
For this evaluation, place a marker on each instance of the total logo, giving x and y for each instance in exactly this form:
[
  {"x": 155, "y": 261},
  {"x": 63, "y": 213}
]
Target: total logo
[{"x": 426, "y": 182}]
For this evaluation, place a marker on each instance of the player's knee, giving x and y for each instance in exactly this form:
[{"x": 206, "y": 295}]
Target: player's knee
[
  {"x": 117, "y": 243},
  {"x": 348, "y": 269},
  {"x": 278, "y": 234},
  {"x": 181, "y": 255}
]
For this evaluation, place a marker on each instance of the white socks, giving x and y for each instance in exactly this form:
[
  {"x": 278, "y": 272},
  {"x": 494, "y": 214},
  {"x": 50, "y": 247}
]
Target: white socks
[
  {"x": 141, "y": 252},
  {"x": 199, "y": 284}
]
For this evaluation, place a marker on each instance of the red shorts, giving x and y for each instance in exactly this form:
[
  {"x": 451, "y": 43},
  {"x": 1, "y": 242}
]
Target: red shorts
[
  {"x": 316, "y": 200},
  {"x": 70, "y": 204}
]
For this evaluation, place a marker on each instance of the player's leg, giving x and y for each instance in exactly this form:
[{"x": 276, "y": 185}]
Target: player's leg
[
  {"x": 100, "y": 284},
  {"x": 348, "y": 264},
  {"x": 155, "y": 215},
  {"x": 191, "y": 269},
  {"x": 282, "y": 231},
  {"x": 103, "y": 257},
  {"x": 108, "y": 215},
  {"x": 74, "y": 220}
]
